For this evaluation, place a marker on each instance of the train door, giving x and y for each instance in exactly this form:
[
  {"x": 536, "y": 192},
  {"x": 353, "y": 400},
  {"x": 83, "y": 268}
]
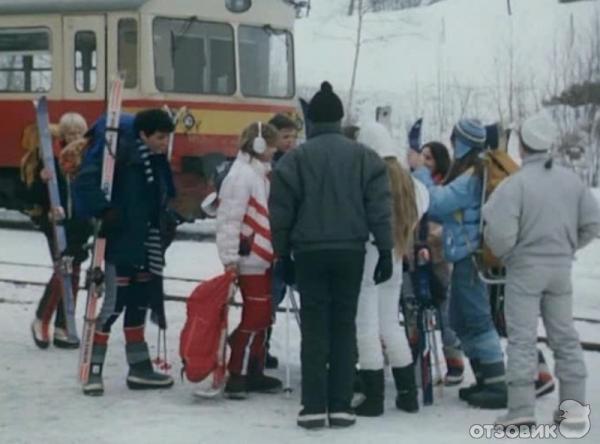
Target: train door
[{"x": 84, "y": 57}]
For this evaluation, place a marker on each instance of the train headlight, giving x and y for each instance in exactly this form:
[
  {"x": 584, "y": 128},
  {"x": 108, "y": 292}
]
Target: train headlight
[{"x": 238, "y": 5}]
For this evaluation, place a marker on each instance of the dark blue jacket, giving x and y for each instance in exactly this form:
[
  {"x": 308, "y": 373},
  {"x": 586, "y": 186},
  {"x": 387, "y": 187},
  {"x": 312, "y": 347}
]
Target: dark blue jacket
[{"x": 137, "y": 203}]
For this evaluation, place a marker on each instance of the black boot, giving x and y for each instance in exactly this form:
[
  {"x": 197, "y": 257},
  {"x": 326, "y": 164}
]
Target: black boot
[
  {"x": 493, "y": 394},
  {"x": 406, "y": 386},
  {"x": 358, "y": 395},
  {"x": 236, "y": 387},
  {"x": 374, "y": 390},
  {"x": 262, "y": 383},
  {"x": 465, "y": 392},
  {"x": 141, "y": 373},
  {"x": 94, "y": 385}
]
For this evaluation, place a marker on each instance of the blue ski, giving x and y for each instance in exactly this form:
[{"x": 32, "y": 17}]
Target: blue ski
[{"x": 62, "y": 264}]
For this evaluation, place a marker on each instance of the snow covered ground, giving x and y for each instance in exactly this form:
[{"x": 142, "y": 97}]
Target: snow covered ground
[{"x": 41, "y": 401}]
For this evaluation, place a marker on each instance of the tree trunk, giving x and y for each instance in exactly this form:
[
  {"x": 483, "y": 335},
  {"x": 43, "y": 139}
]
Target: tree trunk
[{"x": 357, "y": 46}]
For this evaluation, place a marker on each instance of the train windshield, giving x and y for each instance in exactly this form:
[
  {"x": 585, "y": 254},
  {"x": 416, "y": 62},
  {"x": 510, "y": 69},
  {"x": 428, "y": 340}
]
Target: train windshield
[
  {"x": 193, "y": 56},
  {"x": 266, "y": 62}
]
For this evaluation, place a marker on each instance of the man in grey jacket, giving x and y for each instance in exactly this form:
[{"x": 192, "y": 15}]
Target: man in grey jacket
[
  {"x": 535, "y": 222},
  {"x": 327, "y": 195}
]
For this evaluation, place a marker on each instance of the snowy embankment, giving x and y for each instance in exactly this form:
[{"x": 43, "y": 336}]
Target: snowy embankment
[{"x": 41, "y": 401}]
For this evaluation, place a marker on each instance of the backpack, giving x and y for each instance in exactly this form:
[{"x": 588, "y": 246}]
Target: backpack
[
  {"x": 94, "y": 154},
  {"x": 204, "y": 335},
  {"x": 498, "y": 165}
]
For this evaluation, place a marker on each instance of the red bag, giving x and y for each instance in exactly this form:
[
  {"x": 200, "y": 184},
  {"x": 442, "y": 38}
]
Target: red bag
[{"x": 204, "y": 335}]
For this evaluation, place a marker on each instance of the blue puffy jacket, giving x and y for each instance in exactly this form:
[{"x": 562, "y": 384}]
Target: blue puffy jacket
[{"x": 457, "y": 206}]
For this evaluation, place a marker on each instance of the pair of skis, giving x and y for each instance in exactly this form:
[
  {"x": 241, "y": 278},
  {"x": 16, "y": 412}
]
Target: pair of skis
[
  {"x": 96, "y": 285},
  {"x": 63, "y": 264},
  {"x": 426, "y": 317}
]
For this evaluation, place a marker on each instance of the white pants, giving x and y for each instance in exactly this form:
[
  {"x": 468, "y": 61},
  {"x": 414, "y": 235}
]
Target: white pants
[{"x": 377, "y": 321}]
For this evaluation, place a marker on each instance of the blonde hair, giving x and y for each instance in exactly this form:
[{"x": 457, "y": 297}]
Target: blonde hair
[
  {"x": 404, "y": 206},
  {"x": 72, "y": 121},
  {"x": 268, "y": 132}
]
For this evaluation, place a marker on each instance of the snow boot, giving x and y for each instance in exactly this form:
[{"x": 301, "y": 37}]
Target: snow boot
[
  {"x": 465, "y": 392},
  {"x": 406, "y": 386},
  {"x": 63, "y": 340},
  {"x": 509, "y": 420},
  {"x": 544, "y": 383},
  {"x": 374, "y": 391},
  {"x": 94, "y": 386},
  {"x": 311, "y": 420},
  {"x": 455, "y": 365},
  {"x": 141, "y": 373},
  {"x": 358, "y": 395},
  {"x": 39, "y": 331},
  {"x": 235, "y": 388},
  {"x": 493, "y": 392},
  {"x": 261, "y": 383},
  {"x": 342, "y": 419}
]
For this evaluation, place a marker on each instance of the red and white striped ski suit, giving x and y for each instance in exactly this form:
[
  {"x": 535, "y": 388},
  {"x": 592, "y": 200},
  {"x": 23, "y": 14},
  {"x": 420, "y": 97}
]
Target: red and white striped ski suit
[{"x": 243, "y": 224}]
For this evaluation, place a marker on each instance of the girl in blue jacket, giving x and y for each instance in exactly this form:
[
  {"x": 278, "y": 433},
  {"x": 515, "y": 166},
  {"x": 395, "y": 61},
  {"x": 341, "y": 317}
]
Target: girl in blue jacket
[{"x": 456, "y": 204}]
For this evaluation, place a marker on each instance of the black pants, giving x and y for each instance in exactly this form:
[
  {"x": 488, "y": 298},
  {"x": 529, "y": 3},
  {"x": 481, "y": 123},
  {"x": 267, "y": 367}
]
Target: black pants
[{"x": 329, "y": 283}]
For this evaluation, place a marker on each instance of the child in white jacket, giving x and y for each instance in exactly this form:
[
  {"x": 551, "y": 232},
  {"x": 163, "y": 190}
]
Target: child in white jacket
[
  {"x": 244, "y": 245},
  {"x": 377, "y": 325}
]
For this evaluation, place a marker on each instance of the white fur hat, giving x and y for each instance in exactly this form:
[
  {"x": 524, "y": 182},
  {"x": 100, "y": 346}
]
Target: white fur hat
[
  {"x": 539, "y": 132},
  {"x": 377, "y": 137}
]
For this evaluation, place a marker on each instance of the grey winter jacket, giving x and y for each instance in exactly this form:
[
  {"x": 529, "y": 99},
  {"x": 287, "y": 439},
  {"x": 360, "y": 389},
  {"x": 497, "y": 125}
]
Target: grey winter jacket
[
  {"x": 540, "y": 216},
  {"x": 329, "y": 194}
]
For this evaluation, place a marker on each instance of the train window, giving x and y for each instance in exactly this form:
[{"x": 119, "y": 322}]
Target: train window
[
  {"x": 192, "y": 56},
  {"x": 85, "y": 61},
  {"x": 238, "y": 5},
  {"x": 25, "y": 60},
  {"x": 128, "y": 51},
  {"x": 266, "y": 62}
]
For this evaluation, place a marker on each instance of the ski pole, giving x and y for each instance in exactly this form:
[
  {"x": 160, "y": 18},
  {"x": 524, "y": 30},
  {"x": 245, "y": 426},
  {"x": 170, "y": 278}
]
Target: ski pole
[
  {"x": 295, "y": 306},
  {"x": 288, "y": 389}
]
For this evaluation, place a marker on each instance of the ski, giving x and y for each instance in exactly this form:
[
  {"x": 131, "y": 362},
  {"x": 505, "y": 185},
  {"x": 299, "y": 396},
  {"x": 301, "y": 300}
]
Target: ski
[
  {"x": 63, "y": 265},
  {"x": 96, "y": 286},
  {"x": 426, "y": 318}
]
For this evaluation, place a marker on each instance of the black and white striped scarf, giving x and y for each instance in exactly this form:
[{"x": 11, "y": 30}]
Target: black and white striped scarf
[{"x": 153, "y": 243}]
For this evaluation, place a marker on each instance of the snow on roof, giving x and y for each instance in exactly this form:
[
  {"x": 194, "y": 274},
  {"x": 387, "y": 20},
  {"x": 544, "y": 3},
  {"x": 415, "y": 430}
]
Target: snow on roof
[{"x": 60, "y": 6}]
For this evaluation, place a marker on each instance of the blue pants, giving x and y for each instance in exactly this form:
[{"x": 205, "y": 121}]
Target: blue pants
[{"x": 470, "y": 315}]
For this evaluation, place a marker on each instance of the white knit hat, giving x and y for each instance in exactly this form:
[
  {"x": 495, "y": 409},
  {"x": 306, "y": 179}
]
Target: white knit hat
[
  {"x": 377, "y": 137},
  {"x": 539, "y": 132}
]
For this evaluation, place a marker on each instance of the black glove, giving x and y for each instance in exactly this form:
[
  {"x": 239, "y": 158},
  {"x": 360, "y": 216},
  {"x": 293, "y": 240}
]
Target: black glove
[
  {"x": 384, "y": 267},
  {"x": 289, "y": 272}
]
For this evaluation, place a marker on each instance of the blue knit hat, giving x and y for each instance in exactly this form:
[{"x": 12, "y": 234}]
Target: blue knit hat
[{"x": 468, "y": 134}]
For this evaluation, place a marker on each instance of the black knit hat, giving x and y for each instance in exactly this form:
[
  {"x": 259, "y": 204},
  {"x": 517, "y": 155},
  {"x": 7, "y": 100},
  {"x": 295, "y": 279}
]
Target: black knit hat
[{"x": 325, "y": 106}]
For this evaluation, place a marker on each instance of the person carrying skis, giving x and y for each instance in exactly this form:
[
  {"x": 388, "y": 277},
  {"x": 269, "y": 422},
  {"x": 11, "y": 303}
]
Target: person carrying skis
[
  {"x": 327, "y": 195},
  {"x": 244, "y": 246},
  {"x": 72, "y": 127},
  {"x": 457, "y": 205},
  {"x": 436, "y": 158},
  {"x": 536, "y": 220},
  {"x": 136, "y": 236},
  {"x": 286, "y": 140},
  {"x": 377, "y": 326}
]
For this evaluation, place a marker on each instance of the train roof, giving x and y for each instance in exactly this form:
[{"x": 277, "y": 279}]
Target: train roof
[{"x": 64, "y": 6}]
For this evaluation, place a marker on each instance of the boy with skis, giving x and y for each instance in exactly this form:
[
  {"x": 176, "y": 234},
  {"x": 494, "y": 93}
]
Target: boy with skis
[
  {"x": 136, "y": 236},
  {"x": 536, "y": 220},
  {"x": 286, "y": 140},
  {"x": 72, "y": 127}
]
